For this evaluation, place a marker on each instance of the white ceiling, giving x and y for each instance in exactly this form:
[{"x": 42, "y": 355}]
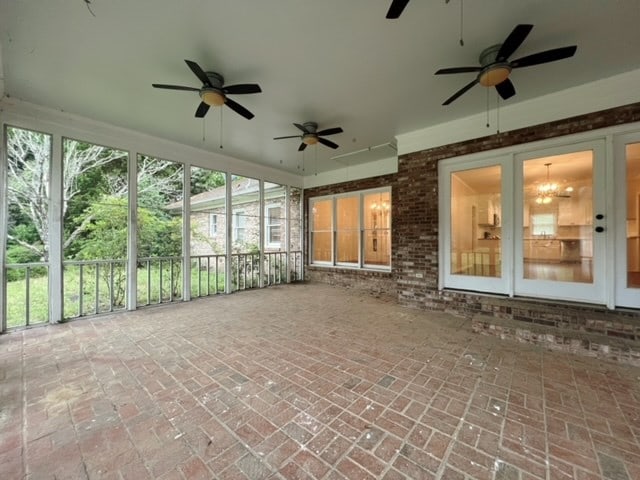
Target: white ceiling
[{"x": 336, "y": 62}]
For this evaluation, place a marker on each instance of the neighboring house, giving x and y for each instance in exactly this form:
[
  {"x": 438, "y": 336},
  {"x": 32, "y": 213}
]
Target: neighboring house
[{"x": 209, "y": 220}]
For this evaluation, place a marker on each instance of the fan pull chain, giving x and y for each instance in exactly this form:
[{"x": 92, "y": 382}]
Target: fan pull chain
[
  {"x": 315, "y": 161},
  {"x": 461, "y": 21},
  {"x": 203, "y": 129},
  {"x": 303, "y": 160},
  {"x": 497, "y": 114},
  {"x": 487, "y": 109},
  {"x": 221, "y": 128}
]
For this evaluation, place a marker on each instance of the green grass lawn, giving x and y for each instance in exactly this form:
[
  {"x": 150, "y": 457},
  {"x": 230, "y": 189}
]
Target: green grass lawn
[{"x": 74, "y": 297}]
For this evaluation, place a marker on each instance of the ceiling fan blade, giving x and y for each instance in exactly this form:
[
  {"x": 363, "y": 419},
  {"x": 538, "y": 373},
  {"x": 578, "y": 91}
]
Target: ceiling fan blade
[
  {"x": 444, "y": 71},
  {"x": 302, "y": 146},
  {"x": 544, "y": 57},
  {"x": 460, "y": 92},
  {"x": 290, "y": 136},
  {"x": 174, "y": 87},
  {"x": 239, "y": 109},
  {"x": 195, "y": 68},
  {"x": 242, "y": 88},
  {"x": 202, "y": 110},
  {"x": 330, "y": 131},
  {"x": 506, "y": 89},
  {"x": 328, "y": 143},
  {"x": 300, "y": 127},
  {"x": 513, "y": 41},
  {"x": 396, "y": 8}
]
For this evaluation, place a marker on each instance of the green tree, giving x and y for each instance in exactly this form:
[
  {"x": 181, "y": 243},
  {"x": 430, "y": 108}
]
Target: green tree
[{"x": 106, "y": 238}]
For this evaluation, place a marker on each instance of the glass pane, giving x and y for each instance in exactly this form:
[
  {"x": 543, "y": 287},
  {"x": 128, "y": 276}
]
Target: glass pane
[
  {"x": 475, "y": 222},
  {"x": 295, "y": 234},
  {"x": 208, "y": 225},
  {"x": 348, "y": 229},
  {"x": 274, "y": 216},
  {"x": 557, "y": 216},
  {"x": 27, "y": 197},
  {"x": 321, "y": 211},
  {"x": 377, "y": 229},
  {"x": 159, "y": 234},
  {"x": 321, "y": 230},
  {"x": 95, "y": 228},
  {"x": 245, "y": 208},
  {"x": 321, "y": 246},
  {"x": 633, "y": 215}
]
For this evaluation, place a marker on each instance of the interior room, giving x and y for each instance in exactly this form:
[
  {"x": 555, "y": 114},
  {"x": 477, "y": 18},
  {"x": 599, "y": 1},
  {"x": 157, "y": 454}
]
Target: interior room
[{"x": 377, "y": 239}]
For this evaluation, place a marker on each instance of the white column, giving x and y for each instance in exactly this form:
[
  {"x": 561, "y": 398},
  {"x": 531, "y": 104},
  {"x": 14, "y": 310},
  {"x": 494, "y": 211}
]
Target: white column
[
  {"x": 3, "y": 230},
  {"x": 261, "y": 230},
  {"x": 186, "y": 234},
  {"x": 228, "y": 211},
  {"x": 55, "y": 231},
  {"x": 132, "y": 241}
]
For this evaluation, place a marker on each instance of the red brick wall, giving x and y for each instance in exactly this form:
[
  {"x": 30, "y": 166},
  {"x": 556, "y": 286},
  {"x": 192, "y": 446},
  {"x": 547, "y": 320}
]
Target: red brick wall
[{"x": 414, "y": 276}]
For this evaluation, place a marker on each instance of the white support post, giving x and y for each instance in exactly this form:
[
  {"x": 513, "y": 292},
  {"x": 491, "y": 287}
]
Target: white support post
[
  {"x": 3, "y": 230},
  {"x": 287, "y": 230},
  {"x": 261, "y": 234},
  {"x": 186, "y": 234},
  {"x": 55, "y": 259},
  {"x": 132, "y": 241},
  {"x": 229, "y": 215}
]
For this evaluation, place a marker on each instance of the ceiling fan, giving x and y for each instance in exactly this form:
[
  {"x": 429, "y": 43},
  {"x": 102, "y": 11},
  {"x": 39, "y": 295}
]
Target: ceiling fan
[
  {"x": 311, "y": 136},
  {"x": 213, "y": 91},
  {"x": 495, "y": 67},
  {"x": 396, "y": 8}
]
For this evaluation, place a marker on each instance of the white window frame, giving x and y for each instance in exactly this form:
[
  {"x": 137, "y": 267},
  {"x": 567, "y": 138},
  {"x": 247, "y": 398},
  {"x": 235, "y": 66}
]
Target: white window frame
[
  {"x": 236, "y": 228},
  {"x": 360, "y": 265},
  {"x": 268, "y": 225},
  {"x": 213, "y": 224},
  {"x": 447, "y": 279}
]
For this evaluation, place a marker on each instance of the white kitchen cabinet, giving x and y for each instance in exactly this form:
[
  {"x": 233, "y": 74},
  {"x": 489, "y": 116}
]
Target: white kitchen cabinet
[
  {"x": 542, "y": 250},
  {"x": 489, "y": 210}
]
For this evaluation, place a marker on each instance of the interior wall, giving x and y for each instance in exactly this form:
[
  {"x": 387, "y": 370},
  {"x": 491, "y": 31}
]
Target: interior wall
[{"x": 415, "y": 262}]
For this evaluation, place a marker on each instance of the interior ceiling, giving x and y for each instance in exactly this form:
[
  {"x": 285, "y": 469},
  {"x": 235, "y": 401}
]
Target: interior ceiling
[{"x": 335, "y": 62}]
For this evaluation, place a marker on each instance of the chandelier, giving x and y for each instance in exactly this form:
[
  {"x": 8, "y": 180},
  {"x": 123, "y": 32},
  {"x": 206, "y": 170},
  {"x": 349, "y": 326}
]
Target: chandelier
[{"x": 547, "y": 190}]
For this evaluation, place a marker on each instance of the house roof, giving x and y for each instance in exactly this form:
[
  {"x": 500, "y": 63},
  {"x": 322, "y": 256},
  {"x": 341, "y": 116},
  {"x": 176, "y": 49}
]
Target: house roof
[
  {"x": 243, "y": 190},
  {"x": 336, "y": 62}
]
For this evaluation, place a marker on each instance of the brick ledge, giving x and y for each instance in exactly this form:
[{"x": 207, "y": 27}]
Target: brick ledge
[{"x": 565, "y": 340}]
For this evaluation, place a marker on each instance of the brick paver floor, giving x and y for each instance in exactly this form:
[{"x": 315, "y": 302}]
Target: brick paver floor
[{"x": 306, "y": 382}]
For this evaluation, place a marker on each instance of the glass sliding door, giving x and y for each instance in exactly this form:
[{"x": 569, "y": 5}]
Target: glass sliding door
[
  {"x": 473, "y": 223},
  {"x": 627, "y": 180},
  {"x": 559, "y": 247}
]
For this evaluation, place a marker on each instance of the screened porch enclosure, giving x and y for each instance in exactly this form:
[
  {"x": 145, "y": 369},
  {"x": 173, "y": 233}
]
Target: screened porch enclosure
[{"x": 90, "y": 229}]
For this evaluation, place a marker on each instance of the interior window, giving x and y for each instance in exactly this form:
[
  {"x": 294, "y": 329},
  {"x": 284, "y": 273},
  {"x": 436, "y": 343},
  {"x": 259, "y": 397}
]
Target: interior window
[{"x": 352, "y": 230}]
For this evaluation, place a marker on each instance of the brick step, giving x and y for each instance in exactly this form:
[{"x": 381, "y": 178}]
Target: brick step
[
  {"x": 583, "y": 318},
  {"x": 580, "y": 341}
]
